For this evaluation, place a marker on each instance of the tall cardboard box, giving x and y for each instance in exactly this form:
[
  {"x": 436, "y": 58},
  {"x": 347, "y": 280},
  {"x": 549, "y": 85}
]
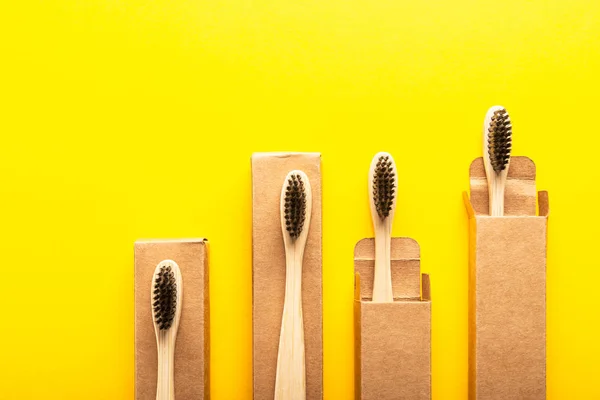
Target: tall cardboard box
[
  {"x": 268, "y": 272},
  {"x": 507, "y": 287}
]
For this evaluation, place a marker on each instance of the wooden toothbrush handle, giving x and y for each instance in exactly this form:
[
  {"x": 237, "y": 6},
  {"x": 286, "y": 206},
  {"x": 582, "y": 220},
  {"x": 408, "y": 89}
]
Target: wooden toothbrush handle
[
  {"x": 290, "y": 381},
  {"x": 165, "y": 388},
  {"x": 496, "y": 197},
  {"x": 382, "y": 277}
]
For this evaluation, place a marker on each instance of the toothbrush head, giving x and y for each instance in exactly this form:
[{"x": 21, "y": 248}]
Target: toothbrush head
[
  {"x": 499, "y": 132},
  {"x": 384, "y": 185},
  {"x": 164, "y": 297},
  {"x": 295, "y": 205}
]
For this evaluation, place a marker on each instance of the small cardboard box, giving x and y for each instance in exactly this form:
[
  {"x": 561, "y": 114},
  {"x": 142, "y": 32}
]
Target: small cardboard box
[
  {"x": 507, "y": 287},
  {"x": 392, "y": 340},
  {"x": 192, "y": 357},
  {"x": 268, "y": 272}
]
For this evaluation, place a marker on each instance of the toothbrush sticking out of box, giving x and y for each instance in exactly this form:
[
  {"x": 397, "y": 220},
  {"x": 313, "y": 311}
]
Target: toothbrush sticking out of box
[
  {"x": 295, "y": 213},
  {"x": 497, "y": 132},
  {"x": 382, "y": 192},
  {"x": 166, "y": 310}
]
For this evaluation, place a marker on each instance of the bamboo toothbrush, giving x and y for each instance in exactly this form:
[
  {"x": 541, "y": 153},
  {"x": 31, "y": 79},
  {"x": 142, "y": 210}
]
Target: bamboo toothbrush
[
  {"x": 382, "y": 186},
  {"x": 166, "y": 306},
  {"x": 497, "y": 132},
  {"x": 295, "y": 209}
]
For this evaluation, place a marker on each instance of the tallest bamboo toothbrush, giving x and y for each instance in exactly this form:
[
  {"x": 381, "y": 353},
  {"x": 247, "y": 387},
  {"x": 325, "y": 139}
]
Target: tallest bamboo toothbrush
[
  {"x": 295, "y": 209},
  {"x": 497, "y": 141},
  {"x": 382, "y": 187}
]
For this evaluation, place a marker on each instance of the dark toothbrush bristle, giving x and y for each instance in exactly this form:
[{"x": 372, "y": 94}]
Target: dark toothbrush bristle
[
  {"x": 384, "y": 186},
  {"x": 499, "y": 140},
  {"x": 165, "y": 298},
  {"x": 295, "y": 206}
]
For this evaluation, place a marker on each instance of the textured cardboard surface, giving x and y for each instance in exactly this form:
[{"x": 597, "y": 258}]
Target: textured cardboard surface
[
  {"x": 192, "y": 357},
  {"x": 507, "y": 290},
  {"x": 406, "y": 270},
  {"x": 268, "y": 272},
  {"x": 392, "y": 340}
]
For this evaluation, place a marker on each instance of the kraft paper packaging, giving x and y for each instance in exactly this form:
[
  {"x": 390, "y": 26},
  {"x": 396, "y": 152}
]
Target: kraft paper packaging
[
  {"x": 192, "y": 357},
  {"x": 507, "y": 287},
  {"x": 268, "y": 272},
  {"x": 392, "y": 340}
]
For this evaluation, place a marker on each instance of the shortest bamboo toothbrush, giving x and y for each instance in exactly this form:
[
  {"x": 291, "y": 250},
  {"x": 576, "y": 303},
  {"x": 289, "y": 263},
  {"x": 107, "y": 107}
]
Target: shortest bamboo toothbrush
[
  {"x": 382, "y": 187},
  {"x": 295, "y": 209},
  {"x": 166, "y": 308},
  {"x": 497, "y": 133}
]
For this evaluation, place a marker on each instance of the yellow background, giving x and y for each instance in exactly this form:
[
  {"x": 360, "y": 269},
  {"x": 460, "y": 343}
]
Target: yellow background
[{"x": 135, "y": 119}]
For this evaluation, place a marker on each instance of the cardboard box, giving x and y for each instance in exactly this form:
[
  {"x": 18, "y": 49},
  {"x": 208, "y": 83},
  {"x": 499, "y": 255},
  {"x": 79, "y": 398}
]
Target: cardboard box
[
  {"x": 392, "y": 340},
  {"x": 507, "y": 288},
  {"x": 268, "y": 272},
  {"x": 192, "y": 356}
]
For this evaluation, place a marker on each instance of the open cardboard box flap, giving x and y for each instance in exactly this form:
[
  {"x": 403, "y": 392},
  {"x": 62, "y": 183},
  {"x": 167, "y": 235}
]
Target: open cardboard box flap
[
  {"x": 520, "y": 193},
  {"x": 406, "y": 270}
]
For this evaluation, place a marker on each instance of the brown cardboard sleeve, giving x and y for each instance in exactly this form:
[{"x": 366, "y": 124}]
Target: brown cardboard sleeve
[
  {"x": 507, "y": 287},
  {"x": 192, "y": 357},
  {"x": 268, "y": 272},
  {"x": 392, "y": 340}
]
